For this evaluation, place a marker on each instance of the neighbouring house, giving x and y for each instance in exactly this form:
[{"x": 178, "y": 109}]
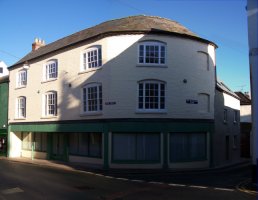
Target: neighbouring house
[
  {"x": 226, "y": 140},
  {"x": 245, "y": 123},
  {"x": 3, "y": 69},
  {"x": 135, "y": 92},
  {"x": 4, "y": 82}
]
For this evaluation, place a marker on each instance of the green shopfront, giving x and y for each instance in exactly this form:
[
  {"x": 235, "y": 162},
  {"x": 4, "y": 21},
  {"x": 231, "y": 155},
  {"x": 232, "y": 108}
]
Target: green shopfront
[
  {"x": 4, "y": 82},
  {"x": 121, "y": 143}
]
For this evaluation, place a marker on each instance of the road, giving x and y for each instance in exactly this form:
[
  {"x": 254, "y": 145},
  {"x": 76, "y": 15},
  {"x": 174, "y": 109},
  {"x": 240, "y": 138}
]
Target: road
[{"x": 28, "y": 181}]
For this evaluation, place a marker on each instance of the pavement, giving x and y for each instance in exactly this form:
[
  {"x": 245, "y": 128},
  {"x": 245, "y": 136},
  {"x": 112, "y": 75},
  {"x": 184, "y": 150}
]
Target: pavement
[{"x": 152, "y": 176}]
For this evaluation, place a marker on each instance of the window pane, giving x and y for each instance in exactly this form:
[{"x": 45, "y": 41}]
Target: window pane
[
  {"x": 83, "y": 144},
  {"x": 179, "y": 151},
  {"x": 124, "y": 147},
  {"x": 73, "y": 143},
  {"x": 37, "y": 140},
  {"x": 95, "y": 144},
  {"x": 148, "y": 147}
]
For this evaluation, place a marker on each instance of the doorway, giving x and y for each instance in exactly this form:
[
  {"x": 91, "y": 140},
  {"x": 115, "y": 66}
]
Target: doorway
[
  {"x": 227, "y": 147},
  {"x": 58, "y": 146}
]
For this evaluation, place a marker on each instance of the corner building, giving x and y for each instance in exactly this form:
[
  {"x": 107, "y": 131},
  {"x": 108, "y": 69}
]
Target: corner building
[{"x": 135, "y": 92}]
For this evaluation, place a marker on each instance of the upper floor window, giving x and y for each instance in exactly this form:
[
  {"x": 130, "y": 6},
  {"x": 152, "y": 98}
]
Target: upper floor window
[
  {"x": 151, "y": 95},
  {"x": 51, "y": 70},
  {"x": 92, "y": 97},
  {"x": 152, "y": 53},
  {"x": 22, "y": 78},
  {"x": 51, "y": 103},
  {"x": 92, "y": 58},
  {"x": 235, "y": 116},
  {"x": 1, "y": 70},
  {"x": 204, "y": 102},
  {"x": 203, "y": 58},
  {"x": 225, "y": 115},
  {"x": 21, "y": 107}
]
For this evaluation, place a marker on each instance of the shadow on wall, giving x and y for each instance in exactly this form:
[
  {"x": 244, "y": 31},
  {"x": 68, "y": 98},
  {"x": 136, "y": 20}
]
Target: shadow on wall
[{"x": 119, "y": 78}]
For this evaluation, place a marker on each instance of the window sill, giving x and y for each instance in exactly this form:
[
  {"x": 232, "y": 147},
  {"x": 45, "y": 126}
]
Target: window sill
[
  {"x": 49, "y": 80},
  {"x": 90, "y": 70},
  {"x": 20, "y": 87},
  {"x": 48, "y": 117},
  {"x": 151, "y": 112},
  {"x": 23, "y": 118},
  {"x": 91, "y": 114},
  {"x": 152, "y": 65}
]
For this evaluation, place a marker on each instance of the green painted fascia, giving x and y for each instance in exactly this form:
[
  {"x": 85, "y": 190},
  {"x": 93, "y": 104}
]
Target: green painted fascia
[
  {"x": 58, "y": 127},
  {"x": 117, "y": 127}
]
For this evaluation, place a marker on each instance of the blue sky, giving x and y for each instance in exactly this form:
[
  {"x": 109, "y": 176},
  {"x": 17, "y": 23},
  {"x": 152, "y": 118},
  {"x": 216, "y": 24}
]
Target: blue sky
[{"x": 221, "y": 21}]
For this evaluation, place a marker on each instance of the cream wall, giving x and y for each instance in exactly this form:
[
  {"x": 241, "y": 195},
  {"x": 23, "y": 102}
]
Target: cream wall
[
  {"x": 119, "y": 76},
  {"x": 246, "y": 113}
]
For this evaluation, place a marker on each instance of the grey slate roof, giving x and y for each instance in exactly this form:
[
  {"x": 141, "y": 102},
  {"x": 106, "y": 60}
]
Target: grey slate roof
[
  {"x": 4, "y": 79},
  {"x": 222, "y": 87},
  {"x": 244, "y": 100},
  {"x": 131, "y": 24}
]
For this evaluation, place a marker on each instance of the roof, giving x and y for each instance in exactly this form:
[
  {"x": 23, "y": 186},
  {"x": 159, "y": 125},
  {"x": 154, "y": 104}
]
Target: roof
[
  {"x": 4, "y": 79},
  {"x": 131, "y": 24},
  {"x": 244, "y": 99},
  {"x": 223, "y": 88}
]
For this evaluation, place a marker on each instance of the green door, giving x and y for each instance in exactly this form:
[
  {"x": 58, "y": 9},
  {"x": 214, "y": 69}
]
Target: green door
[
  {"x": 3, "y": 145},
  {"x": 58, "y": 146}
]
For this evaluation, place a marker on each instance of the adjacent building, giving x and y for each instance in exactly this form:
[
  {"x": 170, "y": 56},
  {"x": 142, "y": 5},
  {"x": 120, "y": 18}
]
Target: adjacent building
[
  {"x": 226, "y": 140},
  {"x": 3, "y": 69},
  {"x": 135, "y": 92},
  {"x": 245, "y": 123},
  {"x": 4, "y": 82}
]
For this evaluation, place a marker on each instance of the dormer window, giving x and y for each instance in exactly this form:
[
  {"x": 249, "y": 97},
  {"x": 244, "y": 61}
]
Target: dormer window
[
  {"x": 152, "y": 52},
  {"x": 50, "y": 70},
  {"x": 92, "y": 58},
  {"x": 22, "y": 78}
]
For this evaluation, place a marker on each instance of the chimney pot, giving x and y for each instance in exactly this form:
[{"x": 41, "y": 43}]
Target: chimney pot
[{"x": 37, "y": 44}]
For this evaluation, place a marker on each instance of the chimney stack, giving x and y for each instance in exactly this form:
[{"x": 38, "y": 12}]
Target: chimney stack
[{"x": 37, "y": 44}]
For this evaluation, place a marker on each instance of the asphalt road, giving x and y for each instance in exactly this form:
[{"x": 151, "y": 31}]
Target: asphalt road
[{"x": 27, "y": 181}]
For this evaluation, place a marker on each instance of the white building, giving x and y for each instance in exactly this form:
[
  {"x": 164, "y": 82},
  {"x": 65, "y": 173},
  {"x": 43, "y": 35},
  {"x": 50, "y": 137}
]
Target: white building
[
  {"x": 3, "y": 69},
  {"x": 136, "y": 92}
]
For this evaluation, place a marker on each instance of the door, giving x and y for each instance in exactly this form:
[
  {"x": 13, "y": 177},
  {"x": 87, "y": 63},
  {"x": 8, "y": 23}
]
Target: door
[
  {"x": 227, "y": 147},
  {"x": 3, "y": 145},
  {"x": 58, "y": 146}
]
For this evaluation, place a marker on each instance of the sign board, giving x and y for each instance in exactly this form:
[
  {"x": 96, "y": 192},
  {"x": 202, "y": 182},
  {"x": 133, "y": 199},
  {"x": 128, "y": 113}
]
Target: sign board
[
  {"x": 110, "y": 103},
  {"x": 191, "y": 101}
]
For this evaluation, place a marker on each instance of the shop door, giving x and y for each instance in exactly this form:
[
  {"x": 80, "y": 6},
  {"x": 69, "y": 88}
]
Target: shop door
[
  {"x": 3, "y": 145},
  {"x": 58, "y": 146}
]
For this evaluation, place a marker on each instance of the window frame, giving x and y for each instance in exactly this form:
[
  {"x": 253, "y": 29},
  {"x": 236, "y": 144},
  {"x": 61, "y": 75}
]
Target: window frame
[
  {"x": 95, "y": 102},
  {"x": 89, "y": 136},
  {"x": 46, "y": 104},
  {"x": 225, "y": 115},
  {"x": 189, "y": 136},
  {"x": 21, "y": 114},
  {"x": 85, "y": 58},
  {"x": 136, "y": 159},
  {"x": 152, "y": 43},
  {"x": 151, "y": 110},
  {"x": 47, "y": 70},
  {"x": 22, "y": 74},
  {"x": 235, "y": 116}
]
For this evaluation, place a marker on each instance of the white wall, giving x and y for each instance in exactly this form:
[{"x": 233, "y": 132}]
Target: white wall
[
  {"x": 246, "y": 113},
  {"x": 5, "y": 70},
  {"x": 119, "y": 76}
]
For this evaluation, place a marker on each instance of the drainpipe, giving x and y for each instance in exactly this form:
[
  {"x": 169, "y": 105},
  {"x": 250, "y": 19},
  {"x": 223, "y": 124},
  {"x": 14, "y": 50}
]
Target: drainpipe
[{"x": 252, "y": 13}]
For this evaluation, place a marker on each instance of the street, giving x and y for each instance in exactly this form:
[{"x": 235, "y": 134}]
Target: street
[{"x": 28, "y": 181}]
